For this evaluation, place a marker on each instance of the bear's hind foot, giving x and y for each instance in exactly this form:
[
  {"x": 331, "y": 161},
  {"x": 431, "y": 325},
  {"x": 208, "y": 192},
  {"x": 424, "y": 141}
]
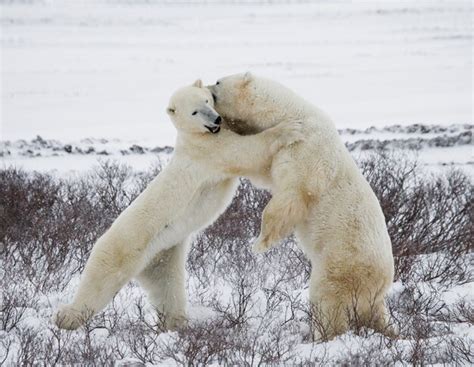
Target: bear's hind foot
[
  {"x": 69, "y": 318},
  {"x": 171, "y": 322},
  {"x": 260, "y": 246},
  {"x": 175, "y": 323}
]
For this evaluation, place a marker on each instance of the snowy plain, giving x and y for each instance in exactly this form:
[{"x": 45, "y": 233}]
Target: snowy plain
[
  {"x": 79, "y": 69},
  {"x": 92, "y": 79}
]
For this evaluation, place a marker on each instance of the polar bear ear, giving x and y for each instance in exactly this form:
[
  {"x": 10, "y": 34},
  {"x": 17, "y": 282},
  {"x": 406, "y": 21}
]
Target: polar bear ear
[
  {"x": 198, "y": 83},
  {"x": 248, "y": 76},
  {"x": 170, "y": 111}
]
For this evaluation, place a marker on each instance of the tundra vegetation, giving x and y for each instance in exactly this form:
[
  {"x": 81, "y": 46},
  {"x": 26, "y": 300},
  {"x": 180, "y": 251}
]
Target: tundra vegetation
[{"x": 245, "y": 309}]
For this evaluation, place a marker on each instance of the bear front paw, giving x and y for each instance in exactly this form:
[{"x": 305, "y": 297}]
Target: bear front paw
[
  {"x": 292, "y": 132},
  {"x": 287, "y": 134},
  {"x": 69, "y": 318}
]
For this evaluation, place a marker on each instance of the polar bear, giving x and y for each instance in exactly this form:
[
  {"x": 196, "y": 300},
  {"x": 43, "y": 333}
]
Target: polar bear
[
  {"x": 149, "y": 240},
  {"x": 319, "y": 192}
]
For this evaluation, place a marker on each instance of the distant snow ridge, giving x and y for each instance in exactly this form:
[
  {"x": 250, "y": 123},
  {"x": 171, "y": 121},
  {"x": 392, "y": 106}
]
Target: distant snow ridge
[
  {"x": 412, "y": 137},
  {"x": 40, "y": 147},
  {"x": 411, "y": 129}
]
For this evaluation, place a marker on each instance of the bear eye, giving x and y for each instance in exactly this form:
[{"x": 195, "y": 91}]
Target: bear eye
[
  {"x": 207, "y": 101},
  {"x": 218, "y": 82},
  {"x": 195, "y": 112}
]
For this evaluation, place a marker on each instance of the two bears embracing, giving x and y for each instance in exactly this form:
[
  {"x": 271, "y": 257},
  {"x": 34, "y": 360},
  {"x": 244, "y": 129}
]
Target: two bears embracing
[{"x": 253, "y": 127}]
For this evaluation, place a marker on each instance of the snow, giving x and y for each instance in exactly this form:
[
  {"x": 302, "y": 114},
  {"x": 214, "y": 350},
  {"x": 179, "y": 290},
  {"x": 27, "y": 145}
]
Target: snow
[
  {"x": 456, "y": 293},
  {"x": 79, "y": 71},
  {"x": 77, "y": 163},
  {"x": 76, "y": 69}
]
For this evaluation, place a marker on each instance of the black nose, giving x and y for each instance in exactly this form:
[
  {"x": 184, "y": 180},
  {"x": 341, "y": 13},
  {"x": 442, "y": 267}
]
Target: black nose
[{"x": 218, "y": 120}]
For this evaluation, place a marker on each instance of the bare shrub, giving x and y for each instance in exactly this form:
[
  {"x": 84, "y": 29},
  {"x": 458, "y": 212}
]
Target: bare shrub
[
  {"x": 257, "y": 307},
  {"x": 16, "y": 301},
  {"x": 424, "y": 215}
]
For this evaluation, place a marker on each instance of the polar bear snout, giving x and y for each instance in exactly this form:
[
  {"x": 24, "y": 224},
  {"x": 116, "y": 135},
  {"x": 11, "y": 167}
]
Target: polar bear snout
[
  {"x": 216, "y": 119},
  {"x": 210, "y": 115}
]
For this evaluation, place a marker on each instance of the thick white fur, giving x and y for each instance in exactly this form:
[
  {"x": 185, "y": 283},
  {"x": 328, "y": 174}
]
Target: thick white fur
[
  {"x": 319, "y": 192},
  {"x": 149, "y": 240}
]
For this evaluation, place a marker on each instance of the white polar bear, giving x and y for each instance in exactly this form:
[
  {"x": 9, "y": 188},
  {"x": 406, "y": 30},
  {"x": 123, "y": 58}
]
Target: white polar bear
[
  {"x": 318, "y": 191},
  {"x": 149, "y": 239}
]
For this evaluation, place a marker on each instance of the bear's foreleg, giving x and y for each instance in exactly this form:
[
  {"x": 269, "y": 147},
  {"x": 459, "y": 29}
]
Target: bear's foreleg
[
  {"x": 283, "y": 212},
  {"x": 250, "y": 154}
]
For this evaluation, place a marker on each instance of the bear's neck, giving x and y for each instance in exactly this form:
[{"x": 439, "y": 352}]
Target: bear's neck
[{"x": 187, "y": 141}]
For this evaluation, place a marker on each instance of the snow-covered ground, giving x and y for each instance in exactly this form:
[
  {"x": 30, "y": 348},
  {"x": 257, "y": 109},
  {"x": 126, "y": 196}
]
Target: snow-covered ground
[{"x": 105, "y": 69}]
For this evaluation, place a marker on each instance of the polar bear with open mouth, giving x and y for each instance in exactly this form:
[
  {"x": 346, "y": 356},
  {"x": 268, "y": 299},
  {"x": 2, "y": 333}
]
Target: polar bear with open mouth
[{"x": 149, "y": 240}]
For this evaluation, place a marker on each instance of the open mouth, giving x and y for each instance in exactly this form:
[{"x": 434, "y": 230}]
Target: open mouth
[{"x": 213, "y": 129}]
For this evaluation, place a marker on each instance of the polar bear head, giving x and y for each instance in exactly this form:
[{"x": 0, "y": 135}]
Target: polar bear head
[
  {"x": 248, "y": 104},
  {"x": 192, "y": 110}
]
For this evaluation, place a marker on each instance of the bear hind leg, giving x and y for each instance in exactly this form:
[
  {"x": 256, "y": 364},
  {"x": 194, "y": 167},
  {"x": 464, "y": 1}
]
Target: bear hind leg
[
  {"x": 377, "y": 318},
  {"x": 328, "y": 319},
  {"x": 164, "y": 281}
]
